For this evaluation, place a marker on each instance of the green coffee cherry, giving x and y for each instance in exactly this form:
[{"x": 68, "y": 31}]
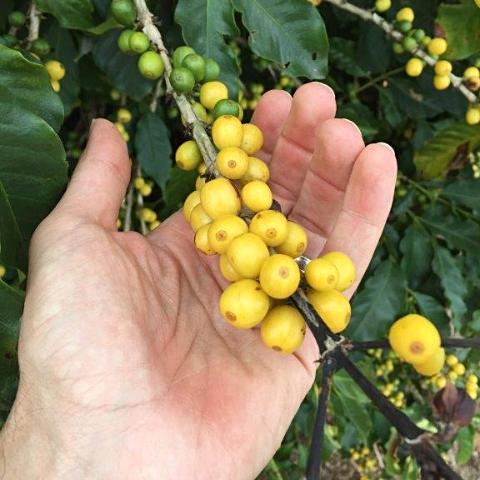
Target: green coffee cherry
[
  {"x": 404, "y": 26},
  {"x": 426, "y": 40},
  {"x": 40, "y": 47},
  {"x": 9, "y": 40},
  {"x": 200, "y": 112},
  {"x": 124, "y": 12},
  {"x": 196, "y": 64},
  {"x": 123, "y": 41},
  {"x": 419, "y": 34},
  {"x": 226, "y": 107},
  {"x": 179, "y": 54},
  {"x": 16, "y": 19},
  {"x": 212, "y": 70},
  {"x": 409, "y": 44},
  {"x": 182, "y": 80},
  {"x": 398, "y": 48},
  {"x": 151, "y": 65},
  {"x": 138, "y": 42}
]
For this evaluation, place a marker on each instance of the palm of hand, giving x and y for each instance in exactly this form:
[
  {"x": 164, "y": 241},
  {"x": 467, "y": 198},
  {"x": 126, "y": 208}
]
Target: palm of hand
[{"x": 122, "y": 333}]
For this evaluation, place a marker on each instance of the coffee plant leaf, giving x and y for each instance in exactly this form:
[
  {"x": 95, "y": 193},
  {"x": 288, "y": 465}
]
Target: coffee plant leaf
[
  {"x": 75, "y": 14},
  {"x": 179, "y": 185},
  {"x": 464, "y": 192},
  {"x": 466, "y": 444},
  {"x": 12, "y": 248},
  {"x": 431, "y": 308}
]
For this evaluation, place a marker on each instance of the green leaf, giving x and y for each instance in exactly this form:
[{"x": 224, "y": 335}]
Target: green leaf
[
  {"x": 104, "y": 27},
  {"x": 75, "y": 14},
  {"x": 179, "y": 185},
  {"x": 205, "y": 24},
  {"x": 290, "y": 33},
  {"x": 33, "y": 170},
  {"x": 153, "y": 147},
  {"x": 342, "y": 55},
  {"x": 121, "y": 69},
  {"x": 465, "y": 440},
  {"x": 451, "y": 278},
  {"x": 436, "y": 155},
  {"x": 362, "y": 117},
  {"x": 12, "y": 249},
  {"x": 431, "y": 308},
  {"x": 374, "y": 50},
  {"x": 464, "y": 192},
  {"x": 461, "y": 25},
  {"x": 417, "y": 250},
  {"x": 375, "y": 308}
]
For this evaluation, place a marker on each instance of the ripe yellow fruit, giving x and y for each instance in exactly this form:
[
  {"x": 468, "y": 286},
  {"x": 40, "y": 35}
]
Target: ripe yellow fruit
[
  {"x": 188, "y": 155},
  {"x": 296, "y": 241},
  {"x": 383, "y": 5},
  {"x": 190, "y": 203},
  {"x": 271, "y": 226},
  {"x": 200, "y": 182},
  {"x": 227, "y": 132},
  {"x": 3, "y": 271},
  {"x": 471, "y": 72},
  {"x": 257, "y": 196},
  {"x": 441, "y": 381},
  {"x": 219, "y": 197},
  {"x": 154, "y": 225},
  {"x": 472, "y": 392},
  {"x": 55, "y": 69},
  {"x": 472, "y": 117},
  {"x": 138, "y": 182},
  {"x": 283, "y": 329},
  {"x": 321, "y": 274},
  {"x": 227, "y": 270},
  {"x": 414, "y": 67},
  {"x": 198, "y": 217},
  {"x": 244, "y": 304},
  {"x": 405, "y": 14},
  {"x": 452, "y": 360},
  {"x": 202, "y": 169},
  {"x": 459, "y": 369},
  {"x": 414, "y": 338},
  {"x": 124, "y": 115},
  {"x": 472, "y": 378},
  {"x": 223, "y": 230},
  {"x": 280, "y": 276},
  {"x": 452, "y": 375},
  {"x": 345, "y": 267},
  {"x": 201, "y": 240},
  {"x": 257, "y": 170},
  {"x": 247, "y": 253},
  {"x": 252, "y": 140},
  {"x": 232, "y": 162},
  {"x": 441, "y": 82},
  {"x": 211, "y": 93},
  {"x": 332, "y": 307},
  {"x": 146, "y": 190},
  {"x": 443, "y": 67},
  {"x": 55, "y": 85},
  {"x": 432, "y": 365},
  {"x": 437, "y": 46},
  {"x": 148, "y": 215}
]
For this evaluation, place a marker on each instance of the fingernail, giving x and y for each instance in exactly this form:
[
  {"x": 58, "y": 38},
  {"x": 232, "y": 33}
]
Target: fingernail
[
  {"x": 386, "y": 145},
  {"x": 354, "y": 124}
]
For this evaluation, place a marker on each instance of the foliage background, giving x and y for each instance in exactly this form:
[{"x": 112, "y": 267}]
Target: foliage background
[{"x": 427, "y": 260}]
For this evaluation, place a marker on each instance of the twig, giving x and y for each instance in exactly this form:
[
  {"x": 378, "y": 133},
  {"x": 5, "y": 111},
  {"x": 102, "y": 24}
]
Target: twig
[
  {"x": 318, "y": 437},
  {"x": 446, "y": 342},
  {"x": 127, "y": 223},
  {"x": 389, "y": 29},
  {"x": 156, "y": 96},
  {"x": 34, "y": 25}
]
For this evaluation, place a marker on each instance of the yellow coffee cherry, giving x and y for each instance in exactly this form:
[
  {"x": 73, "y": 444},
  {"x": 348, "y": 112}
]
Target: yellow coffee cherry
[
  {"x": 223, "y": 230},
  {"x": 405, "y": 14},
  {"x": 200, "y": 182},
  {"x": 190, "y": 203},
  {"x": 244, "y": 304},
  {"x": 283, "y": 329},
  {"x": 471, "y": 72},
  {"x": 257, "y": 196},
  {"x": 414, "y": 67},
  {"x": 452, "y": 375},
  {"x": 437, "y": 46},
  {"x": 441, "y": 381},
  {"x": 472, "y": 392},
  {"x": 138, "y": 182},
  {"x": 188, "y": 155},
  {"x": 3, "y": 271},
  {"x": 247, "y": 253},
  {"x": 321, "y": 274},
  {"x": 202, "y": 169},
  {"x": 198, "y": 217},
  {"x": 472, "y": 117},
  {"x": 201, "y": 240},
  {"x": 211, "y": 93},
  {"x": 124, "y": 115},
  {"x": 443, "y": 67},
  {"x": 125, "y": 136},
  {"x": 257, "y": 170},
  {"x": 280, "y": 276},
  {"x": 414, "y": 338},
  {"x": 219, "y": 197},
  {"x": 148, "y": 215},
  {"x": 383, "y": 5},
  {"x": 332, "y": 307},
  {"x": 232, "y": 162},
  {"x": 472, "y": 378},
  {"x": 146, "y": 190},
  {"x": 459, "y": 369},
  {"x": 441, "y": 82},
  {"x": 227, "y": 270},
  {"x": 120, "y": 127},
  {"x": 154, "y": 225},
  {"x": 432, "y": 365},
  {"x": 227, "y": 132},
  {"x": 271, "y": 226},
  {"x": 55, "y": 85},
  {"x": 55, "y": 69},
  {"x": 451, "y": 360},
  {"x": 296, "y": 241},
  {"x": 345, "y": 267},
  {"x": 118, "y": 224},
  {"x": 252, "y": 140}
]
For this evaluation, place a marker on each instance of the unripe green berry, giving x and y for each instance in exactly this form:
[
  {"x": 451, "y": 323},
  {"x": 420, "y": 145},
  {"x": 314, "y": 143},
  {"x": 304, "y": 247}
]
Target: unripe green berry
[
  {"x": 138, "y": 42},
  {"x": 124, "y": 12},
  {"x": 426, "y": 40},
  {"x": 123, "y": 41},
  {"x": 212, "y": 70},
  {"x": 226, "y": 107},
  {"x": 40, "y": 47},
  {"x": 196, "y": 64},
  {"x": 409, "y": 44},
  {"x": 17, "y": 19},
  {"x": 404, "y": 26},
  {"x": 419, "y": 34},
  {"x": 182, "y": 80},
  {"x": 180, "y": 53},
  {"x": 398, "y": 48},
  {"x": 151, "y": 65}
]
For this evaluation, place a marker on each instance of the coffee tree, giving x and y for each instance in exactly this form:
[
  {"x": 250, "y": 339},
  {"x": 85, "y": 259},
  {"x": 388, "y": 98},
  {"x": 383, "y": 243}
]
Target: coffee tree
[{"x": 397, "y": 381}]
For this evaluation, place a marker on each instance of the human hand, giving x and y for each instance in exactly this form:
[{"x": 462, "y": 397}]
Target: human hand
[{"x": 128, "y": 370}]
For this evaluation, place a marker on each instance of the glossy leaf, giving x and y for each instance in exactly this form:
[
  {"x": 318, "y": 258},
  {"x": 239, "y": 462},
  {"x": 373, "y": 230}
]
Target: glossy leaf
[
  {"x": 417, "y": 250},
  {"x": 179, "y": 185},
  {"x": 464, "y": 192},
  {"x": 69, "y": 13},
  {"x": 431, "y": 308}
]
